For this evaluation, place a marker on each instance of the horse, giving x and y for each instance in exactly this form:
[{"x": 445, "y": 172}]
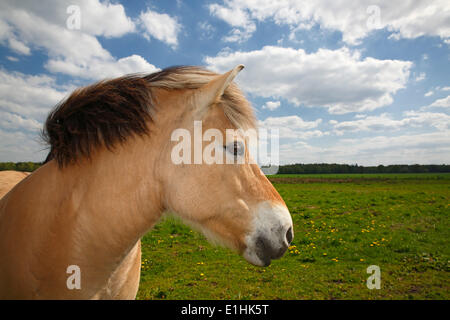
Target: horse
[
  {"x": 72, "y": 228},
  {"x": 8, "y": 179}
]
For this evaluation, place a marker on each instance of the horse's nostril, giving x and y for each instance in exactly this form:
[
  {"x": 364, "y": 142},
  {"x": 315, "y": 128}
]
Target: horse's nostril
[{"x": 289, "y": 235}]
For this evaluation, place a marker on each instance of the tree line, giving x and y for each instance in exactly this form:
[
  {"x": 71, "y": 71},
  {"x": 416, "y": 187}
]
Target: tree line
[
  {"x": 298, "y": 168},
  {"x": 20, "y": 166},
  {"x": 301, "y": 168}
]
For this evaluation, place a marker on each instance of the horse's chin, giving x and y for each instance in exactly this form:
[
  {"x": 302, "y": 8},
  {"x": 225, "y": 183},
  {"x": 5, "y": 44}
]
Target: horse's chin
[{"x": 256, "y": 260}]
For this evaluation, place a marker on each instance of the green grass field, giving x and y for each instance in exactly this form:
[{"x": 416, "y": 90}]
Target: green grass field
[{"x": 342, "y": 224}]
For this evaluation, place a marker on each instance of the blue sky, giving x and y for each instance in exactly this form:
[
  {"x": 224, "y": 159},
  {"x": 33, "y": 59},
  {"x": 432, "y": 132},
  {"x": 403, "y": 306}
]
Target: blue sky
[{"x": 362, "y": 82}]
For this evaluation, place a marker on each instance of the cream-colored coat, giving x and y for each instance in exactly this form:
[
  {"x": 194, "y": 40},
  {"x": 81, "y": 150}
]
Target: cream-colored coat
[{"x": 92, "y": 214}]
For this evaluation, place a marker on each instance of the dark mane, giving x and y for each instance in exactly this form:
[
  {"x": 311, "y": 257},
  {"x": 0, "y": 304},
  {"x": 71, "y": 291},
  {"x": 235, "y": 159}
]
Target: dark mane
[
  {"x": 105, "y": 113},
  {"x": 108, "y": 112}
]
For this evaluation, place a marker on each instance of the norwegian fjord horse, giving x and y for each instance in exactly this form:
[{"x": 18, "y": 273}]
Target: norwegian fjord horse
[{"x": 109, "y": 177}]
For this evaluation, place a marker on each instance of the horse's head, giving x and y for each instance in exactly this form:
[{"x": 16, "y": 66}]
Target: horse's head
[{"x": 231, "y": 203}]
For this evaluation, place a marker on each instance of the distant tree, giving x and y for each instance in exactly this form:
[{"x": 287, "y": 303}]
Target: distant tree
[
  {"x": 314, "y": 168},
  {"x": 20, "y": 166},
  {"x": 298, "y": 168}
]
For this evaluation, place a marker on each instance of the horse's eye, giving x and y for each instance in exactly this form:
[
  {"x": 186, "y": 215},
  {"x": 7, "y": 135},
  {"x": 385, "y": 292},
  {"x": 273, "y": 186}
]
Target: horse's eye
[{"x": 236, "y": 148}]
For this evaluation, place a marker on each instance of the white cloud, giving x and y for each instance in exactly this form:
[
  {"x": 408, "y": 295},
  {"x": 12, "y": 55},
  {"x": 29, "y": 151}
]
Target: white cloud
[
  {"x": 74, "y": 52},
  {"x": 19, "y": 139},
  {"x": 290, "y": 121},
  {"x": 18, "y": 46},
  {"x": 11, "y": 121},
  {"x": 29, "y": 96},
  {"x": 292, "y": 127},
  {"x": 420, "y": 77},
  {"x": 385, "y": 122},
  {"x": 236, "y": 17},
  {"x": 103, "y": 18},
  {"x": 25, "y": 101},
  {"x": 356, "y": 20},
  {"x": 237, "y": 35},
  {"x": 160, "y": 26},
  {"x": 206, "y": 29},
  {"x": 271, "y": 105},
  {"x": 429, "y": 93},
  {"x": 368, "y": 123},
  {"x": 98, "y": 18},
  {"x": 440, "y": 121},
  {"x": 439, "y": 103},
  {"x": 425, "y": 148},
  {"x": 102, "y": 68},
  {"x": 20, "y": 146},
  {"x": 339, "y": 80},
  {"x": 7, "y": 37}
]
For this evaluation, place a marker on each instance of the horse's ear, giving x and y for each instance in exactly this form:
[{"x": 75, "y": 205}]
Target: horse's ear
[{"x": 213, "y": 90}]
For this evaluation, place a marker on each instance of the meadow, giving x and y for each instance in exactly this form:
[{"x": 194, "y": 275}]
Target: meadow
[{"x": 343, "y": 223}]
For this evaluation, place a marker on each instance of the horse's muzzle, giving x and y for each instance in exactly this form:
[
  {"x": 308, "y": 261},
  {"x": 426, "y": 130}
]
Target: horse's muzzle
[{"x": 271, "y": 236}]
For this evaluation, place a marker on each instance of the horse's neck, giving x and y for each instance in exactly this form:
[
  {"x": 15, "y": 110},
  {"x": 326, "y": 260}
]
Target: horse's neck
[
  {"x": 115, "y": 199},
  {"x": 89, "y": 215}
]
